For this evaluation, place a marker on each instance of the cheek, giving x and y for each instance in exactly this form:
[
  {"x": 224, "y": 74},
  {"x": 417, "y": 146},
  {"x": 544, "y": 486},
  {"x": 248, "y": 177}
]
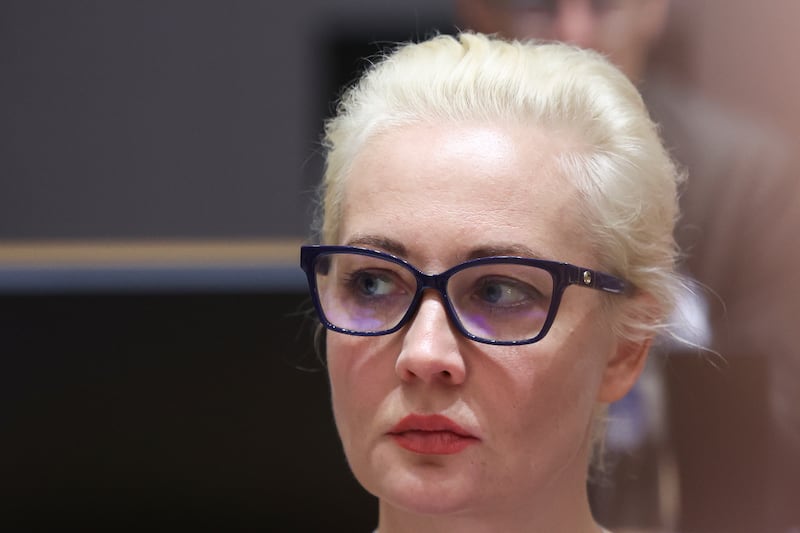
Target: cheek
[
  {"x": 553, "y": 386},
  {"x": 557, "y": 386},
  {"x": 344, "y": 385},
  {"x": 357, "y": 374},
  {"x": 586, "y": 347}
]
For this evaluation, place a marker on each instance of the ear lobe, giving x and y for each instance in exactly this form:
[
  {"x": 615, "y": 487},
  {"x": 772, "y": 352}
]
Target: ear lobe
[{"x": 622, "y": 369}]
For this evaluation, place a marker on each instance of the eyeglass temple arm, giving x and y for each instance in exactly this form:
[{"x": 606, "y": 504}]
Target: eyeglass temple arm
[{"x": 598, "y": 280}]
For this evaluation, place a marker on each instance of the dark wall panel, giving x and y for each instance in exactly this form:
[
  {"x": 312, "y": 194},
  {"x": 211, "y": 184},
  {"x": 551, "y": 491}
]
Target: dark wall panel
[{"x": 189, "y": 410}]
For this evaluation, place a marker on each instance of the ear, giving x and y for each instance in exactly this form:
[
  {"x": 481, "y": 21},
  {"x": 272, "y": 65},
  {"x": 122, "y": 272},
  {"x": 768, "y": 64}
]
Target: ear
[
  {"x": 622, "y": 369},
  {"x": 629, "y": 354}
]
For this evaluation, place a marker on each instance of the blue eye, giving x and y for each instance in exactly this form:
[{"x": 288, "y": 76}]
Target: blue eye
[
  {"x": 505, "y": 292},
  {"x": 371, "y": 284}
]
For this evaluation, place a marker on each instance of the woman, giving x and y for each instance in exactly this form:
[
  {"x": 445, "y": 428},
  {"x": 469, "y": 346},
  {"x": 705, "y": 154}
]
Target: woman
[{"x": 470, "y": 183}]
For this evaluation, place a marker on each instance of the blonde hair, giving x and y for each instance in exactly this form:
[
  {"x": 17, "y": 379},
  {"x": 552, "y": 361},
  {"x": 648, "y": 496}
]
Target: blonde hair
[{"x": 626, "y": 180}]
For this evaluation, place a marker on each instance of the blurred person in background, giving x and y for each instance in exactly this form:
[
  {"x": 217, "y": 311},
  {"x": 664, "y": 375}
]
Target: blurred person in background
[{"x": 741, "y": 211}]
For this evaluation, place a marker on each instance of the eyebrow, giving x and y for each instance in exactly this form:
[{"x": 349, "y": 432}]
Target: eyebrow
[
  {"x": 381, "y": 243},
  {"x": 516, "y": 250},
  {"x": 397, "y": 248}
]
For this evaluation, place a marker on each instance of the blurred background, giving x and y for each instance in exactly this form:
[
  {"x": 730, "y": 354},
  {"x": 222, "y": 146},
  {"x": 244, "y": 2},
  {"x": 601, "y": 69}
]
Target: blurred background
[{"x": 157, "y": 166}]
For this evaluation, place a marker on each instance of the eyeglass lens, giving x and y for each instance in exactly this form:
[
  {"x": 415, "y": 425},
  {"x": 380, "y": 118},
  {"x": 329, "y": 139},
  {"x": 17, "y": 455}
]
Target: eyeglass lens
[{"x": 493, "y": 301}]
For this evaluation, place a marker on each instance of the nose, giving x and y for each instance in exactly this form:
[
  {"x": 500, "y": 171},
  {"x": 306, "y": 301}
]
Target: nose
[
  {"x": 430, "y": 351},
  {"x": 575, "y": 23}
]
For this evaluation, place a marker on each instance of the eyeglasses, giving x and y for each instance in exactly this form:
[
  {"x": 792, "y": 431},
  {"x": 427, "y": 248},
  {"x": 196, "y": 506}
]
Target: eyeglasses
[{"x": 493, "y": 300}]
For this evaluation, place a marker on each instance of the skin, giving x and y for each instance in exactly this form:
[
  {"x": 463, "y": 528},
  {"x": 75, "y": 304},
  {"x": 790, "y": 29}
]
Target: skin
[
  {"x": 624, "y": 30},
  {"x": 474, "y": 190}
]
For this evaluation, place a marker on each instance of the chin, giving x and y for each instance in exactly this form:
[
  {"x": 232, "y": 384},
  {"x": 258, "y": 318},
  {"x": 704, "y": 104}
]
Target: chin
[
  {"x": 437, "y": 502},
  {"x": 427, "y": 488}
]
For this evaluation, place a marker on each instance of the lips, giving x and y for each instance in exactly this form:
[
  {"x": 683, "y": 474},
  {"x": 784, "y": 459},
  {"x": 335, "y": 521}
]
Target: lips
[{"x": 431, "y": 435}]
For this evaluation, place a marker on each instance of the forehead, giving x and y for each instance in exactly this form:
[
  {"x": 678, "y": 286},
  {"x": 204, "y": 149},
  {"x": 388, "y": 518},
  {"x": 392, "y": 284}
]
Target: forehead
[{"x": 443, "y": 191}]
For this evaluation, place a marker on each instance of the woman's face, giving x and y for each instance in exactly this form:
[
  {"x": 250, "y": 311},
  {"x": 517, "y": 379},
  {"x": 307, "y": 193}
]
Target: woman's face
[{"x": 437, "y": 196}]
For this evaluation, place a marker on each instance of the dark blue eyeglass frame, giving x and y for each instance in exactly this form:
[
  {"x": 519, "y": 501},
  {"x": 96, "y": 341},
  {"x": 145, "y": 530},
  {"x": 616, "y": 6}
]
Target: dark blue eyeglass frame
[{"x": 564, "y": 275}]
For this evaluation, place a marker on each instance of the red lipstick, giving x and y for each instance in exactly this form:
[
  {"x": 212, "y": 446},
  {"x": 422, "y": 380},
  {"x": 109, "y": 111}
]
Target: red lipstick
[{"x": 431, "y": 435}]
